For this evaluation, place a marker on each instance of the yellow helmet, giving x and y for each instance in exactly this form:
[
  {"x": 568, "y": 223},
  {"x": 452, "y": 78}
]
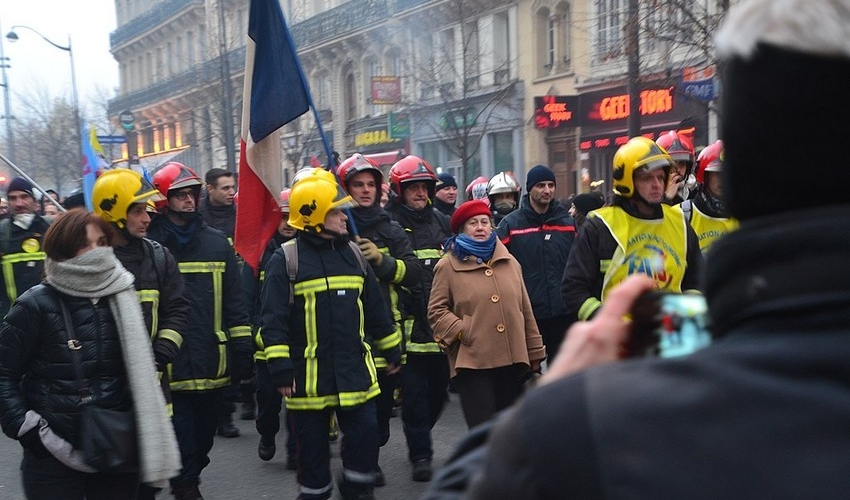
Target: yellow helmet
[
  {"x": 639, "y": 152},
  {"x": 115, "y": 190},
  {"x": 312, "y": 197}
]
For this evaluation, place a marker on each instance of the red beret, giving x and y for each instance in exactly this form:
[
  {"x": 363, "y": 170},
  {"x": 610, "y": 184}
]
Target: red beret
[{"x": 466, "y": 211}]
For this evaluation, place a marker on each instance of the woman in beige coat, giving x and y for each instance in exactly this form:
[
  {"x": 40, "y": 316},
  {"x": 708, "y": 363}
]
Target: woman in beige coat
[{"x": 481, "y": 316}]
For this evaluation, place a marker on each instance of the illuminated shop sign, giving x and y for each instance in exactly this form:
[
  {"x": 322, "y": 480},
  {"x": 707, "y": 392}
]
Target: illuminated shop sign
[
  {"x": 616, "y": 107},
  {"x": 553, "y": 111}
]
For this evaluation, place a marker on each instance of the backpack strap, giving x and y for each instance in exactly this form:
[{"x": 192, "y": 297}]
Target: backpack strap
[
  {"x": 158, "y": 259},
  {"x": 290, "y": 251},
  {"x": 364, "y": 266}
]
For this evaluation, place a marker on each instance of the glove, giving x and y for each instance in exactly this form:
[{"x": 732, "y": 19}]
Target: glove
[
  {"x": 164, "y": 352},
  {"x": 32, "y": 441},
  {"x": 370, "y": 251}
]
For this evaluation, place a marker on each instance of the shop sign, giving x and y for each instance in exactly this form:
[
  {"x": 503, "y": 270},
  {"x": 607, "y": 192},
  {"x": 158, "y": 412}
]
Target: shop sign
[
  {"x": 553, "y": 111},
  {"x": 399, "y": 125},
  {"x": 374, "y": 138},
  {"x": 386, "y": 90},
  {"x": 698, "y": 83},
  {"x": 607, "y": 108}
]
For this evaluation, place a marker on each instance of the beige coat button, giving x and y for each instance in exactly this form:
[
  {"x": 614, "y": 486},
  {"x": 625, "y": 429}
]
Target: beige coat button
[
  {"x": 500, "y": 328},
  {"x": 488, "y": 272},
  {"x": 494, "y": 298}
]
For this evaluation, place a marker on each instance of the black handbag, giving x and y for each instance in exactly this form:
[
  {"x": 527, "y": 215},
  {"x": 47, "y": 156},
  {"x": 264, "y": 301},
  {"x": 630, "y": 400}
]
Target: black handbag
[{"x": 108, "y": 436}]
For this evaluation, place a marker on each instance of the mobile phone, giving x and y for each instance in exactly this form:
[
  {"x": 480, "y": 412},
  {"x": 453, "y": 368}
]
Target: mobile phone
[{"x": 668, "y": 325}]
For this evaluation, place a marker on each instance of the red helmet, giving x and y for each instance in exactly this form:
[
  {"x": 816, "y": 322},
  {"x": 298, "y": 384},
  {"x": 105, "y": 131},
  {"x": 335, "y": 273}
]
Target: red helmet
[
  {"x": 412, "y": 169},
  {"x": 284, "y": 200},
  {"x": 677, "y": 145},
  {"x": 355, "y": 164},
  {"x": 477, "y": 189},
  {"x": 174, "y": 175},
  {"x": 710, "y": 160}
]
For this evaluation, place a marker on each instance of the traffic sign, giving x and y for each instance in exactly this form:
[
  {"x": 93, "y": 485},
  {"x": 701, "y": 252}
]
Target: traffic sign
[
  {"x": 112, "y": 139},
  {"x": 127, "y": 119}
]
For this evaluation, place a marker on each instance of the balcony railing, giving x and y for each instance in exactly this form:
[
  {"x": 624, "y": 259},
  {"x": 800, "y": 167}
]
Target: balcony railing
[
  {"x": 197, "y": 77},
  {"x": 401, "y": 5},
  {"x": 150, "y": 20},
  {"x": 345, "y": 18}
]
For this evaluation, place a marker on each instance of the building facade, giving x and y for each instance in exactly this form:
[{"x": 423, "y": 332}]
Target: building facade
[{"x": 476, "y": 87}]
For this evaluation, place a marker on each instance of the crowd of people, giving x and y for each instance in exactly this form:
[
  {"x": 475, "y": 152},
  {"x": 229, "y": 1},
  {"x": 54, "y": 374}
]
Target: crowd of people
[{"x": 380, "y": 291}]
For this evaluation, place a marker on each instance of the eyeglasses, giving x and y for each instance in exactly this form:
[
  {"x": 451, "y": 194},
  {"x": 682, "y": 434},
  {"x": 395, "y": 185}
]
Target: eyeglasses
[{"x": 181, "y": 195}]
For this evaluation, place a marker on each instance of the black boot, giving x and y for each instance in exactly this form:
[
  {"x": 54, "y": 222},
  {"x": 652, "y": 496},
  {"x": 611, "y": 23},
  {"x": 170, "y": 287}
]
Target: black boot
[
  {"x": 354, "y": 491},
  {"x": 266, "y": 449}
]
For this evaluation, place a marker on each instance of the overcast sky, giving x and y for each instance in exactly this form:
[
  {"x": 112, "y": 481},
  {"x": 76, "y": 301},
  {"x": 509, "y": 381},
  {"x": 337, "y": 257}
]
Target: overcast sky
[{"x": 37, "y": 65}]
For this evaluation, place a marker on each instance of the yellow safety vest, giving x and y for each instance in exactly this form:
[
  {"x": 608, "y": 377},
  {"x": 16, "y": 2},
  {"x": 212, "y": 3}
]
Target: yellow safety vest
[
  {"x": 710, "y": 229},
  {"x": 657, "y": 247}
]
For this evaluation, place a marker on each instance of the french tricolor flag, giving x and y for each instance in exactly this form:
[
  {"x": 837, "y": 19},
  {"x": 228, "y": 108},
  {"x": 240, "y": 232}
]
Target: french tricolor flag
[{"x": 275, "y": 93}]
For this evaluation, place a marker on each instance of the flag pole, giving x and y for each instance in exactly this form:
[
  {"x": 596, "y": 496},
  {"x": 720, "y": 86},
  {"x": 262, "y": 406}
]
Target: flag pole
[{"x": 23, "y": 174}]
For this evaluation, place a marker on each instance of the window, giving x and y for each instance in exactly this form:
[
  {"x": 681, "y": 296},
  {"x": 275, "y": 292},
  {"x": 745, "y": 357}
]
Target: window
[
  {"x": 541, "y": 23},
  {"x": 471, "y": 55},
  {"x": 501, "y": 48},
  {"x": 502, "y": 146},
  {"x": 426, "y": 66},
  {"x": 324, "y": 90},
  {"x": 430, "y": 152},
  {"x": 550, "y": 42},
  {"x": 190, "y": 49},
  {"x": 373, "y": 69},
  {"x": 610, "y": 30},
  {"x": 350, "y": 97},
  {"x": 564, "y": 35},
  {"x": 446, "y": 72}
]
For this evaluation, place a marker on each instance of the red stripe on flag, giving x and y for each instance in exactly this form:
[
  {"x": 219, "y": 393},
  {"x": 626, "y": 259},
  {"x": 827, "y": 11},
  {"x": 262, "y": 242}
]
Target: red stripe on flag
[{"x": 256, "y": 221}]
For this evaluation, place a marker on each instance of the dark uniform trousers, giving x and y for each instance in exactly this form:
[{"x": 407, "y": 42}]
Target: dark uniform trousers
[
  {"x": 385, "y": 402},
  {"x": 426, "y": 381},
  {"x": 195, "y": 426},
  {"x": 269, "y": 405},
  {"x": 359, "y": 426}
]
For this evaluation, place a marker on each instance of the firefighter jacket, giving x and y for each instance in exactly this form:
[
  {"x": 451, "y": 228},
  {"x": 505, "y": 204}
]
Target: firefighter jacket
[
  {"x": 541, "y": 244},
  {"x": 399, "y": 266},
  {"x": 22, "y": 258},
  {"x": 319, "y": 340},
  {"x": 616, "y": 242},
  {"x": 217, "y": 330},
  {"x": 159, "y": 286},
  {"x": 427, "y": 230},
  {"x": 709, "y": 218}
]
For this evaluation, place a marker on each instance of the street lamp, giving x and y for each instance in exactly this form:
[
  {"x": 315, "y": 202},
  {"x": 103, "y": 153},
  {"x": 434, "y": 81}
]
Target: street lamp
[
  {"x": 10, "y": 139},
  {"x": 13, "y": 37}
]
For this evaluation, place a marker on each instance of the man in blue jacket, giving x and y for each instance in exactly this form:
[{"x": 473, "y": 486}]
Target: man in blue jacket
[{"x": 540, "y": 235}]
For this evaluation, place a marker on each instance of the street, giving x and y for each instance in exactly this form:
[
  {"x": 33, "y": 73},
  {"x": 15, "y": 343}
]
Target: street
[{"x": 236, "y": 473}]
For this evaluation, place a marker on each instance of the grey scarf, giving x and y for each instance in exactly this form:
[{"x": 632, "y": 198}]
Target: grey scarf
[{"x": 98, "y": 274}]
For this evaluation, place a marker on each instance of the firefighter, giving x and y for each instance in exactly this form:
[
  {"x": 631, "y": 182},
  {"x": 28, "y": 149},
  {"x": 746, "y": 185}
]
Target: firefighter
[
  {"x": 320, "y": 301},
  {"x": 217, "y": 340}
]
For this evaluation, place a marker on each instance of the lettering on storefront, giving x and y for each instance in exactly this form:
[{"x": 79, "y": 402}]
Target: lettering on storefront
[
  {"x": 551, "y": 111},
  {"x": 651, "y": 102},
  {"x": 373, "y": 138}
]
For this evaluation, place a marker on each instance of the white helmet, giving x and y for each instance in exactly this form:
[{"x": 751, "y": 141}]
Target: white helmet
[{"x": 503, "y": 182}]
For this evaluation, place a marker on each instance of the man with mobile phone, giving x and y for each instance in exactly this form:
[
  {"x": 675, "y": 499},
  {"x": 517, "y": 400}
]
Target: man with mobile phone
[
  {"x": 763, "y": 411},
  {"x": 637, "y": 234}
]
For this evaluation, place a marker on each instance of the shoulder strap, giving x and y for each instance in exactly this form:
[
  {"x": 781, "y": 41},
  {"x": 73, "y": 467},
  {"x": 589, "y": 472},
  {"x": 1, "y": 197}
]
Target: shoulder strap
[
  {"x": 73, "y": 345},
  {"x": 290, "y": 251},
  {"x": 364, "y": 266}
]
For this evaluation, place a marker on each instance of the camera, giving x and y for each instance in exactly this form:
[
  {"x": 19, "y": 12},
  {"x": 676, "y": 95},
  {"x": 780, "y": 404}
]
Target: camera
[{"x": 668, "y": 325}]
